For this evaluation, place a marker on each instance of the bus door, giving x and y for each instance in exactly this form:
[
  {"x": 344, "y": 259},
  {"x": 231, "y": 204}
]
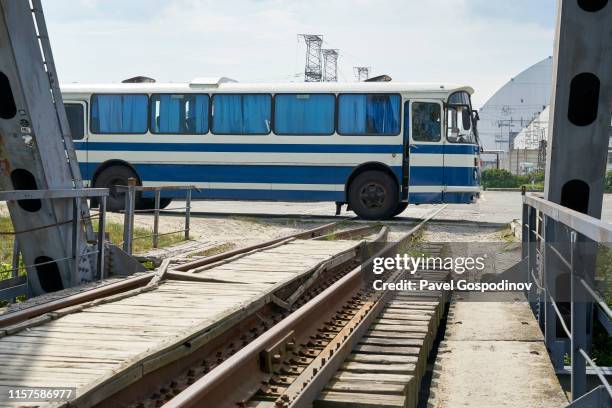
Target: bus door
[
  {"x": 461, "y": 153},
  {"x": 425, "y": 160},
  {"x": 77, "y": 120}
]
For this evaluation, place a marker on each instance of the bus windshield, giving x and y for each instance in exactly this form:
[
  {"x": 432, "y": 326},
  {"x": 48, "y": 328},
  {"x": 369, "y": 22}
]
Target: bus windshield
[{"x": 460, "y": 120}]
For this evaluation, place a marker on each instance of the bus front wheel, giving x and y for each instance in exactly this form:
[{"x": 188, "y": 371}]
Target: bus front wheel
[{"x": 373, "y": 195}]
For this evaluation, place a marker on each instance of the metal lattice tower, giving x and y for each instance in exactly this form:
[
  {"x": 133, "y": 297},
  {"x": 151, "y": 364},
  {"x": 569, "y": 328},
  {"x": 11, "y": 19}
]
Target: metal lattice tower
[
  {"x": 313, "y": 71},
  {"x": 361, "y": 73},
  {"x": 330, "y": 65}
]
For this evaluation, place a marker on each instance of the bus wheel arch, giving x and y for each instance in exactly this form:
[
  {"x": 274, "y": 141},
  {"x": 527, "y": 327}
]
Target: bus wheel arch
[{"x": 379, "y": 180}]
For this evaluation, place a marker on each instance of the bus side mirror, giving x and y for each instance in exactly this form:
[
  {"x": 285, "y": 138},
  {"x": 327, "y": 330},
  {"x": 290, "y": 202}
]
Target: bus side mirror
[{"x": 476, "y": 115}]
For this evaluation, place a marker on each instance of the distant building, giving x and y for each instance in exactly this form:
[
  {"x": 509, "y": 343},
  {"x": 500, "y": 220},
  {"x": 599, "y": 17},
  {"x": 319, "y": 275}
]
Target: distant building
[
  {"x": 514, "y": 121},
  {"x": 513, "y": 107}
]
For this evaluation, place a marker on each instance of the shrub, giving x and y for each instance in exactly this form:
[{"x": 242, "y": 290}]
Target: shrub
[{"x": 498, "y": 178}]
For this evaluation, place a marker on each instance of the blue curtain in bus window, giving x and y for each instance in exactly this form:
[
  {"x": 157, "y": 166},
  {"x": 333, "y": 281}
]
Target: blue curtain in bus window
[
  {"x": 241, "y": 114},
  {"x": 304, "y": 114},
  {"x": 179, "y": 114},
  {"x": 166, "y": 113},
  {"x": 119, "y": 113},
  {"x": 227, "y": 114},
  {"x": 199, "y": 115},
  {"x": 372, "y": 114},
  {"x": 256, "y": 113},
  {"x": 351, "y": 114}
]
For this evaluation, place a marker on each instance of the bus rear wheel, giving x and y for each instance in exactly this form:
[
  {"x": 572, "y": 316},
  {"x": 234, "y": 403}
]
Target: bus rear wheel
[
  {"x": 149, "y": 203},
  {"x": 373, "y": 195},
  {"x": 111, "y": 177},
  {"x": 400, "y": 209}
]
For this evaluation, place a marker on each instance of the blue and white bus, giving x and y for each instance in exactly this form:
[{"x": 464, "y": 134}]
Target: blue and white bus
[{"x": 376, "y": 146}]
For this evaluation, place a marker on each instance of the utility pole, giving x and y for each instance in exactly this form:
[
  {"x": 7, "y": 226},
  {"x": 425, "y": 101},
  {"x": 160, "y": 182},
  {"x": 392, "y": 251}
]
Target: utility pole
[
  {"x": 361, "y": 73},
  {"x": 313, "y": 70},
  {"x": 330, "y": 65}
]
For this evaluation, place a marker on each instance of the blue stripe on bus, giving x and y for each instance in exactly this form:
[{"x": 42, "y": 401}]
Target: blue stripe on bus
[
  {"x": 446, "y": 149},
  {"x": 251, "y": 194},
  {"x": 227, "y": 173},
  {"x": 426, "y": 176},
  {"x": 236, "y": 147},
  {"x": 437, "y": 176},
  {"x": 241, "y": 173},
  {"x": 271, "y": 148},
  {"x": 432, "y": 198}
]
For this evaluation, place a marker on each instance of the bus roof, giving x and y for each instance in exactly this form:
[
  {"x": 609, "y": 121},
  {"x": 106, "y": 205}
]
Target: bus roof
[{"x": 225, "y": 85}]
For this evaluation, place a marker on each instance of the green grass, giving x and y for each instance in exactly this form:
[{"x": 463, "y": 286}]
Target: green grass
[
  {"x": 115, "y": 233},
  {"x": 114, "y": 230}
]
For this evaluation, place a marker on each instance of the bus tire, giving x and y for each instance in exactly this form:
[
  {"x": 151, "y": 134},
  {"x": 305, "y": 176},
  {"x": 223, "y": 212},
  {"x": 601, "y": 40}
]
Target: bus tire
[
  {"x": 400, "y": 208},
  {"x": 373, "y": 195},
  {"x": 111, "y": 177}
]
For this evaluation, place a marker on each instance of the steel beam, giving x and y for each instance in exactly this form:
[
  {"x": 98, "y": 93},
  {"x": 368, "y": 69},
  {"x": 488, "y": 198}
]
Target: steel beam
[
  {"x": 581, "y": 107},
  {"x": 33, "y": 155}
]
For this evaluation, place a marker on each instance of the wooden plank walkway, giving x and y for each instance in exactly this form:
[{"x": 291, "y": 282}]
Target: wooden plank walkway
[{"x": 104, "y": 347}]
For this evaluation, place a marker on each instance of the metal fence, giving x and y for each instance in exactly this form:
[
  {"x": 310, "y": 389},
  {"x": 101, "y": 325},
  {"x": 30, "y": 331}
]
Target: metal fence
[
  {"x": 131, "y": 192},
  {"x": 556, "y": 241},
  {"x": 17, "y": 285}
]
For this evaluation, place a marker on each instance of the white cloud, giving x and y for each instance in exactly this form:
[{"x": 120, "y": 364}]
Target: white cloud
[{"x": 435, "y": 40}]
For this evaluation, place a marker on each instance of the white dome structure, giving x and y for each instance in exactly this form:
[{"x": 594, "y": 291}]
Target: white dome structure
[{"x": 515, "y": 105}]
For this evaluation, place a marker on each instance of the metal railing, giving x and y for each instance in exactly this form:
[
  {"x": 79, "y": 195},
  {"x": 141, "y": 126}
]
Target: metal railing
[
  {"x": 130, "y": 211},
  {"x": 17, "y": 285},
  {"x": 558, "y": 241}
]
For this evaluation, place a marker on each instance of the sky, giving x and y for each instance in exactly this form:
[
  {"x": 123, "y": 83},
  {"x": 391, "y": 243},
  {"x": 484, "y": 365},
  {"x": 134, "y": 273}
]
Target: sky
[{"x": 482, "y": 43}]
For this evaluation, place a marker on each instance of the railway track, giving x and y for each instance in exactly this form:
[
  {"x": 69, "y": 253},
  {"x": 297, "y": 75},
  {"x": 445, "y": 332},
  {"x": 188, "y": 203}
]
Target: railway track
[
  {"x": 346, "y": 340},
  {"x": 134, "y": 343}
]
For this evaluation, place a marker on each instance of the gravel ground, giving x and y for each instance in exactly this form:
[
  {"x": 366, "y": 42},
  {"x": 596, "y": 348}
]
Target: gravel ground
[
  {"x": 501, "y": 249},
  {"x": 493, "y": 206}
]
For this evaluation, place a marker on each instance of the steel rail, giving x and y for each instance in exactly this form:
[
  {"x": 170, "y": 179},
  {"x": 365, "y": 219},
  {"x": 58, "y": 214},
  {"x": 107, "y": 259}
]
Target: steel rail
[{"x": 240, "y": 376}]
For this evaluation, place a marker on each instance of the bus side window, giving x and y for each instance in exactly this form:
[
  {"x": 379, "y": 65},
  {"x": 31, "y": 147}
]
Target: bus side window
[
  {"x": 179, "y": 114},
  {"x": 426, "y": 125},
  {"x": 304, "y": 114},
  {"x": 241, "y": 114},
  {"x": 76, "y": 120},
  {"x": 369, "y": 114},
  {"x": 119, "y": 114}
]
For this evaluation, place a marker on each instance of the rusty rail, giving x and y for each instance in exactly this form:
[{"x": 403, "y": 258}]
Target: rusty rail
[{"x": 232, "y": 383}]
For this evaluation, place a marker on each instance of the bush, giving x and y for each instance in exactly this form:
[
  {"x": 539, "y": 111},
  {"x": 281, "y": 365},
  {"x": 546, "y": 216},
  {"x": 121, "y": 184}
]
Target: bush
[{"x": 498, "y": 178}]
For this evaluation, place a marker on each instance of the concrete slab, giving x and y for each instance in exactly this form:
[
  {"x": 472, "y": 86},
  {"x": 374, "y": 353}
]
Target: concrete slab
[
  {"x": 493, "y": 355},
  {"x": 476, "y": 317},
  {"x": 494, "y": 374}
]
